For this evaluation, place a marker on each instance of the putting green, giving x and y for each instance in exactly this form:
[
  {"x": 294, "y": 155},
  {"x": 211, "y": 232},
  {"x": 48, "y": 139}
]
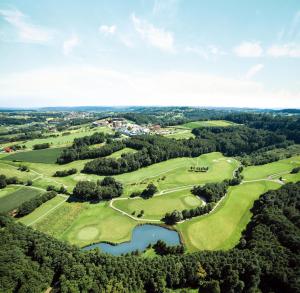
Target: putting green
[{"x": 88, "y": 233}]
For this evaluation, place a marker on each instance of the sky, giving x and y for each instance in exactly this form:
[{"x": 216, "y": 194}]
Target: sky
[{"x": 217, "y": 53}]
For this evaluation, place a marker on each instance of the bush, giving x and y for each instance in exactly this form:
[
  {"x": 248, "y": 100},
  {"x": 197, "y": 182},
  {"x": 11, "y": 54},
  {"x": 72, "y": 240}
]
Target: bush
[
  {"x": 65, "y": 173},
  {"x": 41, "y": 146},
  {"x": 149, "y": 191}
]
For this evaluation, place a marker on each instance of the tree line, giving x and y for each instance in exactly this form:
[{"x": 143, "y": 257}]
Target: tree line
[
  {"x": 152, "y": 149},
  {"x": 30, "y": 205}
]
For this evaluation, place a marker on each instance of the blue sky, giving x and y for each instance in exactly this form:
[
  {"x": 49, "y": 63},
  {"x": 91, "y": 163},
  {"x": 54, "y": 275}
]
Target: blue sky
[{"x": 150, "y": 52}]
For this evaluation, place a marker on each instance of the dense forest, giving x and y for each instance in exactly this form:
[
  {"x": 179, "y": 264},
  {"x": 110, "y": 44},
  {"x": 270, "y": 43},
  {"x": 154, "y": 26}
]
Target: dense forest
[{"x": 265, "y": 260}]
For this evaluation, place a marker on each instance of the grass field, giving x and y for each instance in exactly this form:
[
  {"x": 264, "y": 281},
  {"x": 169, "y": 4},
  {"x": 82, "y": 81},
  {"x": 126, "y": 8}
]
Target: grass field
[
  {"x": 11, "y": 171},
  {"x": 179, "y": 133},
  {"x": 18, "y": 195},
  {"x": 84, "y": 223},
  {"x": 157, "y": 206},
  {"x": 210, "y": 123},
  {"x": 47, "y": 156},
  {"x": 222, "y": 228},
  {"x": 278, "y": 168},
  {"x": 42, "y": 210},
  {"x": 119, "y": 153},
  {"x": 62, "y": 140}
]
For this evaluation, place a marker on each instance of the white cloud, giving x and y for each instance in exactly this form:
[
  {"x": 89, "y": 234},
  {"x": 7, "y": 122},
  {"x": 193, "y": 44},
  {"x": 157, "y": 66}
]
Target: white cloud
[
  {"x": 249, "y": 49},
  {"x": 27, "y": 32},
  {"x": 107, "y": 30},
  {"x": 88, "y": 85},
  {"x": 205, "y": 51},
  {"x": 70, "y": 43},
  {"x": 286, "y": 50},
  {"x": 154, "y": 36},
  {"x": 254, "y": 70}
]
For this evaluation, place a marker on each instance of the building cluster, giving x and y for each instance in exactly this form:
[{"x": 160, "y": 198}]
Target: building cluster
[{"x": 127, "y": 128}]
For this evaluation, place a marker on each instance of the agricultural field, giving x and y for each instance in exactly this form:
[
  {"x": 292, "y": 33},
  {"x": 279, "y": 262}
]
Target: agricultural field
[
  {"x": 47, "y": 156},
  {"x": 13, "y": 196}
]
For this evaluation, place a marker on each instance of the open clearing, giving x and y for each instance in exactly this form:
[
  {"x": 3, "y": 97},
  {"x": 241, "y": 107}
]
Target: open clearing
[
  {"x": 119, "y": 153},
  {"x": 47, "y": 156},
  {"x": 18, "y": 195},
  {"x": 210, "y": 123},
  {"x": 158, "y": 205},
  {"x": 222, "y": 228}
]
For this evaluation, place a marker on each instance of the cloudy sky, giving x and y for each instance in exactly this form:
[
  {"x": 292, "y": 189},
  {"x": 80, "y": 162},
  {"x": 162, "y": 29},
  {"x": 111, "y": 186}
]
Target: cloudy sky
[{"x": 150, "y": 52}]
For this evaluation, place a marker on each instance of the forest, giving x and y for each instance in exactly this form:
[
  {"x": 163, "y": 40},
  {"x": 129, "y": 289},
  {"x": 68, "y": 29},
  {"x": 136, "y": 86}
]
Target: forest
[
  {"x": 265, "y": 260},
  {"x": 153, "y": 148}
]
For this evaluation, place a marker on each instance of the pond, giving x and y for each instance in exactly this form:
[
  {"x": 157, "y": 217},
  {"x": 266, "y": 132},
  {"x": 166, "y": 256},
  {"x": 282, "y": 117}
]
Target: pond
[{"x": 142, "y": 236}]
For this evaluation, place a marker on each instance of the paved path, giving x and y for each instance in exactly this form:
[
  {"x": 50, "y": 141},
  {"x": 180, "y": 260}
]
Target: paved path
[{"x": 269, "y": 178}]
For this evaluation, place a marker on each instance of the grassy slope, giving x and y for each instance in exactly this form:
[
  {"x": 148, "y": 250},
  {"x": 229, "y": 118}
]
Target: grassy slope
[
  {"x": 222, "y": 228},
  {"x": 12, "y": 200},
  {"x": 157, "y": 206},
  {"x": 210, "y": 123},
  {"x": 46, "y": 156},
  {"x": 11, "y": 171},
  {"x": 84, "y": 223},
  {"x": 62, "y": 140},
  {"x": 118, "y": 154},
  {"x": 42, "y": 210},
  {"x": 280, "y": 168}
]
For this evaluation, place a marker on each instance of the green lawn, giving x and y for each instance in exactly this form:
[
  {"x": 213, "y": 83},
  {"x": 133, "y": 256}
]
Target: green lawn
[
  {"x": 43, "y": 210},
  {"x": 209, "y": 123},
  {"x": 47, "y": 156},
  {"x": 157, "y": 206},
  {"x": 84, "y": 223},
  {"x": 18, "y": 195},
  {"x": 12, "y": 171},
  {"x": 278, "y": 168},
  {"x": 222, "y": 228}
]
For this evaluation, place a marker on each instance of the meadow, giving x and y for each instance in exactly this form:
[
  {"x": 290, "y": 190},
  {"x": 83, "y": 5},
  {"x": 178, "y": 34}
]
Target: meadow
[{"x": 210, "y": 123}]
